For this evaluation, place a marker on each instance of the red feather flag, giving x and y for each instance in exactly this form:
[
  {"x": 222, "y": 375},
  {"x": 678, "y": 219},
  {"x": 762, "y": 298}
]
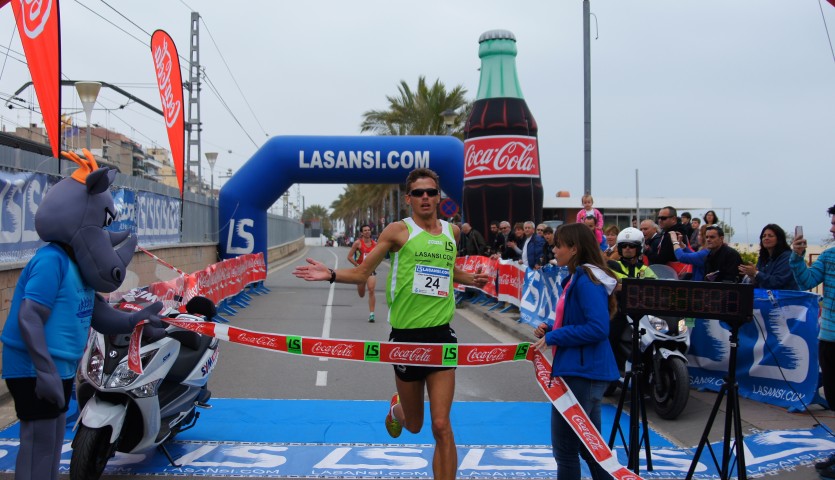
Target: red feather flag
[
  {"x": 39, "y": 29},
  {"x": 167, "y": 66}
]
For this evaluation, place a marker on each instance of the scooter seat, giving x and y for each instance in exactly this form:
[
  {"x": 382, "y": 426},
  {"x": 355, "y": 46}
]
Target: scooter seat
[
  {"x": 187, "y": 338},
  {"x": 189, "y": 355}
]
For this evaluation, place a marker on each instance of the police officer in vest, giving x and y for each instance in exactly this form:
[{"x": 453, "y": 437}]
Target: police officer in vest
[{"x": 630, "y": 244}]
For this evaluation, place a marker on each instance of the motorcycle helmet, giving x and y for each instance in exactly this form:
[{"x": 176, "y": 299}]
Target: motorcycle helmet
[{"x": 632, "y": 236}]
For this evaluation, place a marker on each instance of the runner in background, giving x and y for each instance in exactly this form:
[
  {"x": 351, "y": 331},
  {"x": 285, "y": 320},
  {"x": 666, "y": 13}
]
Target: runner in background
[
  {"x": 359, "y": 250},
  {"x": 421, "y": 307}
]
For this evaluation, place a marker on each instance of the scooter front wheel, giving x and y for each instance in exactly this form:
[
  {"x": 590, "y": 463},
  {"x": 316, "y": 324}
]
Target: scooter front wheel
[
  {"x": 91, "y": 451},
  {"x": 671, "y": 390}
]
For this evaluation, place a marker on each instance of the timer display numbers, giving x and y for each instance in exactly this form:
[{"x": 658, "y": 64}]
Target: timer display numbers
[{"x": 730, "y": 302}]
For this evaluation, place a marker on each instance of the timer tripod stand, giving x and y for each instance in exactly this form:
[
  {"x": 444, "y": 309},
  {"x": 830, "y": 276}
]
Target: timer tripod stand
[
  {"x": 732, "y": 303},
  {"x": 634, "y": 378},
  {"x": 729, "y": 391}
]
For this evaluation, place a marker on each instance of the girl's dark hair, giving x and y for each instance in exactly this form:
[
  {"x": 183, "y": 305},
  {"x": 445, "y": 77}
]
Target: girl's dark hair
[
  {"x": 579, "y": 236},
  {"x": 781, "y": 246},
  {"x": 715, "y": 218}
]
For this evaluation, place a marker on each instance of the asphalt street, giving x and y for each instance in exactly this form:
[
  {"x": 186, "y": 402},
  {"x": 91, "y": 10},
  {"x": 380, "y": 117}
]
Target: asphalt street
[{"x": 301, "y": 308}]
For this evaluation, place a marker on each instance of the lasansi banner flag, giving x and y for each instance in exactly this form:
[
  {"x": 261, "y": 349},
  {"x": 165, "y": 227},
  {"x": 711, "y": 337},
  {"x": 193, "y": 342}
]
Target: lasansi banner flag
[
  {"x": 38, "y": 26},
  {"x": 167, "y": 67}
]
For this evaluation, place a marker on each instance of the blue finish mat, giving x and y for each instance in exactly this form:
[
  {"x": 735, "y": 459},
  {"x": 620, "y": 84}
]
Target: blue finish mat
[{"x": 347, "y": 439}]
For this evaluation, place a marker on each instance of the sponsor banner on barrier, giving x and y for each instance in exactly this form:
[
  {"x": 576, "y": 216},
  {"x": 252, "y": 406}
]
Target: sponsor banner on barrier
[
  {"x": 511, "y": 280},
  {"x": 21, "y": 193},
  {"x": 540, "y": 292},
  {"x": 775, "y": 354},
  {"x": 153, "y": 218},
  {"x": 482, "y": 264}
]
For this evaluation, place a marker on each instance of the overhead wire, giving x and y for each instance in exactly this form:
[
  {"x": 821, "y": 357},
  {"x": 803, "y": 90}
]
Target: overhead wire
[
  {"x": 233, "y": 77},
  {"x": 826, "y": 28},
  {"x": 8, "y": 49},
  {"x": 214, "y": 90},
  {"x": 143, "y": 42},
  {"x": 184, "y": 61}
]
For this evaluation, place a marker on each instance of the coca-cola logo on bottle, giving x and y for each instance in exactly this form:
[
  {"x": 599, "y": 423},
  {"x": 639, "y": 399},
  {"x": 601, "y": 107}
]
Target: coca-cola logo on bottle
[{"x": 501, "y": 156}]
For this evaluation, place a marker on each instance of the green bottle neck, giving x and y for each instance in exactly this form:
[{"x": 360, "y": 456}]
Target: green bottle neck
[{"x": 498, "y": 70}]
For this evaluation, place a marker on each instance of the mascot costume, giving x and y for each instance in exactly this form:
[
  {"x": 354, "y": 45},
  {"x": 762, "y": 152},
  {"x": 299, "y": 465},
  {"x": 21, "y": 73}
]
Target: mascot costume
[{"x": 55, "y": 303}]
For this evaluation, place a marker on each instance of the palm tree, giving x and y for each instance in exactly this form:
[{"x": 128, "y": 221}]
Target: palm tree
[
  {"x": 416, "y": 112},
  {"x": 410, "y": 112}
]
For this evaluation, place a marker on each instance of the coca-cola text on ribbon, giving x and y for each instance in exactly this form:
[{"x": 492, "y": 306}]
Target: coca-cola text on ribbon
[
  {"x": 501, "y": 156},
  {"x": 410, "y": 354}
]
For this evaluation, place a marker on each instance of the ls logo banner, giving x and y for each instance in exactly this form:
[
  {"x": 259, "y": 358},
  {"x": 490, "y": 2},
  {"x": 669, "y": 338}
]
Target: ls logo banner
[
  {"x": 777, "y": 353},
  {"x": 540, "y": 293}
]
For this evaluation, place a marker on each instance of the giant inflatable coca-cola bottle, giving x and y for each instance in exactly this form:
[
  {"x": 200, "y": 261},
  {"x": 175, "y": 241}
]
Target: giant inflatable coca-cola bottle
[{"x": 501, "y": 155}]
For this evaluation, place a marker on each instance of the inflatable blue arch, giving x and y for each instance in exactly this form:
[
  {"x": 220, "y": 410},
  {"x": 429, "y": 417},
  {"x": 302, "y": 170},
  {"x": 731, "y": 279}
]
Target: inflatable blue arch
[{"x": 283, "y": 161}]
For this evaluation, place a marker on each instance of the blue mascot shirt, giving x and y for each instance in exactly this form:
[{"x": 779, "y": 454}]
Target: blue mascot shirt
[{"x": 52, "y": 280}]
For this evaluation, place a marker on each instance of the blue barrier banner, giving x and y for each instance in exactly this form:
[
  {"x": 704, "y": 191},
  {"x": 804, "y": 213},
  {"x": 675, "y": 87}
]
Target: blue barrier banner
[
  {"x": 777, "y": 353},
  {"x": 157, "y": 219},
  {"x": 21, "y": 193},
  {"x": 153, "y": 218},
  {"x": 125, "y": 201},
  {"x": 540, "y": 293}
]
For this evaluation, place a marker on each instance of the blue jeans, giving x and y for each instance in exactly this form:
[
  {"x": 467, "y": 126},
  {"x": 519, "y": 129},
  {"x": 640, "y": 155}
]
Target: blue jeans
[{"x": 565, "y": 443}]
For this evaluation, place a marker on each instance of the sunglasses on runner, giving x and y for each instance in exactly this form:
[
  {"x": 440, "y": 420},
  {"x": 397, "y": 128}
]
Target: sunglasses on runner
[{"x": 418, "y": 192}]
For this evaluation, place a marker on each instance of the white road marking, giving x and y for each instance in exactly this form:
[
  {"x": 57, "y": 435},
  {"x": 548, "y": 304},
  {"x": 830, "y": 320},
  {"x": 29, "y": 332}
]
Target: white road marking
[{"x": 322, "y": 378}]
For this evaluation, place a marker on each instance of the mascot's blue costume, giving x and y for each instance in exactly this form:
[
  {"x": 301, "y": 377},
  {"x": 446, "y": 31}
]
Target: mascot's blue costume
[{"x": 55, "y": 302}]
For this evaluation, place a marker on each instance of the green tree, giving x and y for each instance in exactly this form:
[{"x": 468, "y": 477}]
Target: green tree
[
  {"x": 418, "y": 111},
  {"x": 411, "y": 112},
  {"x": 318, "y": 213}
]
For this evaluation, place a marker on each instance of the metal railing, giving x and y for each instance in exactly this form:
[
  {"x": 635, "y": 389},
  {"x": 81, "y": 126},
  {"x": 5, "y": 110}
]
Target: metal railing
[{"x": 199, "y": 212}]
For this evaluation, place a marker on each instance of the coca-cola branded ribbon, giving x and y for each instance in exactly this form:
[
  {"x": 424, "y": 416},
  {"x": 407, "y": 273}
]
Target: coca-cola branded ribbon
[
  {"x": 431, "y": 354},
  {"x": 419, "y": 354},
  {"x": 566, "y": 403}
]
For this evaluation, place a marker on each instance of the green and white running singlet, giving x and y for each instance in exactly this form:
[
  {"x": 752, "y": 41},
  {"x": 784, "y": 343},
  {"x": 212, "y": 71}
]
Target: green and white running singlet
[{"x": 420, "y": 290}]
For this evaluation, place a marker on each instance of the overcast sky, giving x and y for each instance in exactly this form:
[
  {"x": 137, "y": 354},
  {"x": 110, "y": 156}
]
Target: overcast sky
[{"x": 728, "y": 100}]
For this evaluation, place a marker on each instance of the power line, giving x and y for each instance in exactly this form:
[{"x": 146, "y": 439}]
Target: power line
[
  {"x": 126, "y": 18},
  {"x": 8, "y": 49},
  {"x": 823, "y": 17},
  {"x": 226, "y": 106},
  {"x": 233, "y": 78},
  {"x": 143, "y": 42}
]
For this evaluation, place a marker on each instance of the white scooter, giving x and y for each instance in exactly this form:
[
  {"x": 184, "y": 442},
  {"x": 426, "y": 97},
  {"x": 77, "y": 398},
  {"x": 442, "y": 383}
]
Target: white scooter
[
  {"x": 129, "y": 412},
  {"x": 663, "y": 344}
]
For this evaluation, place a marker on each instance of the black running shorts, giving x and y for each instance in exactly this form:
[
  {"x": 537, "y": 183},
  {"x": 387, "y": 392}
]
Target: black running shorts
[
  {"x": 28, "y": 406},
  {"x": 440, "y": 334}
]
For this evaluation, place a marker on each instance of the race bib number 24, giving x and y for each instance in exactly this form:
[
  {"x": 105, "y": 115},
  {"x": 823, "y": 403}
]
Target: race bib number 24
[{"x": 432, "y": 281}]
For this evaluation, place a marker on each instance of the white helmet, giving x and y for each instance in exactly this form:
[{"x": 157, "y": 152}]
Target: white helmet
[{"x": 631, "y": 235}]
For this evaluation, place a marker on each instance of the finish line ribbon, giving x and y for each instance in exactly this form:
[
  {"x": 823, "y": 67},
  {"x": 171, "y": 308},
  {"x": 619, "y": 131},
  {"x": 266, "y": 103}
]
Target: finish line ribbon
[{"x": 419, "y": 354}]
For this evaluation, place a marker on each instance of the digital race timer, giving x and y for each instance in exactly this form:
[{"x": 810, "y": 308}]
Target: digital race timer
[{"x": 730, "y": 302}]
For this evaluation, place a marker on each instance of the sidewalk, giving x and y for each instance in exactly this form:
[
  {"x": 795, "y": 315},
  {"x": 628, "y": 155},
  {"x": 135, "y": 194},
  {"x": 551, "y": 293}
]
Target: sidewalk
[{"x": 686, "y": 431}]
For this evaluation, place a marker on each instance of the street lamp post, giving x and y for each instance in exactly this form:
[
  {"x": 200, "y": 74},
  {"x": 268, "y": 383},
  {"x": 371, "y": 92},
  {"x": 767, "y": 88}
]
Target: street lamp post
[
  {"x": 88, "y": 92},
  {"x": 211, "y": 157},
  {"x": 747, "y": 240},
  {"x": 449, "y": 116}
]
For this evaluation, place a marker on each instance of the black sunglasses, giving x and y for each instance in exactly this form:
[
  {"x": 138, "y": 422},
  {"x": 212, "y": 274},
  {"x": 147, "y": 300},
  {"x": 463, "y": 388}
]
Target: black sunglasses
[
  {"x": 662, "y": 217},
  {"x": 418, "y": 192}
]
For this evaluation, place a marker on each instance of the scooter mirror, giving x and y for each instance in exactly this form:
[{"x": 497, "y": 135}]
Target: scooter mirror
[{"x": 201, "y": 306}]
